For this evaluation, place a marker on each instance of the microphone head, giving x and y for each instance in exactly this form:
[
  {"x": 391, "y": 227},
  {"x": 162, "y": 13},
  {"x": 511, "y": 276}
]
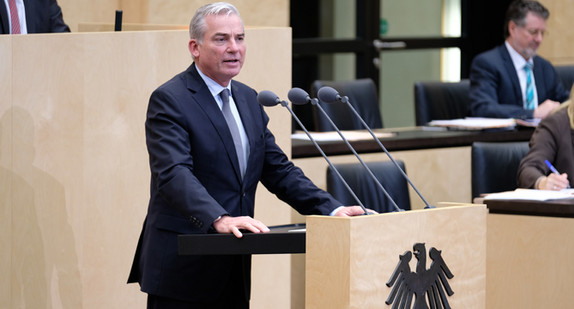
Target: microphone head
[
  {"x": 298, "y": 96},
  {"x": 268, "y": 98},
  {"x": 328, "y": 95}
]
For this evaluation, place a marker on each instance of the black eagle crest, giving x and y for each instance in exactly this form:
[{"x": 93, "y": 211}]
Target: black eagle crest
[{"x": 424, "y": 283}]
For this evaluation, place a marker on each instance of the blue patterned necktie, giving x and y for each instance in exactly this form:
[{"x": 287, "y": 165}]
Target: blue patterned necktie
[
  {"x": 232, "y": 124},
  {"x": 529, "y": 102}
]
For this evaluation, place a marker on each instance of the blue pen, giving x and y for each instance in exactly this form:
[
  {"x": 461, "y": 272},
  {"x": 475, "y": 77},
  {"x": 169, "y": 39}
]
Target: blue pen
[{"x": 553, "y": 169}]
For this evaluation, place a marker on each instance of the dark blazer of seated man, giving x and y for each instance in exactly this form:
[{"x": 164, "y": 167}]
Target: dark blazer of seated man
[
  {"x": 42, "y": 16},
  {"x": 498, "y": 79}
]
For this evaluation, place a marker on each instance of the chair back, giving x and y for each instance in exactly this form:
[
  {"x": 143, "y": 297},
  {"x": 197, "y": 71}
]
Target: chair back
[
  {"x": 494, "y": 166},
  {"x": 441, "y": 100},
  {"x": 362, "y": 95},
  {"x": 566, "y": 74},
  {"x": 367, "y": 189}
]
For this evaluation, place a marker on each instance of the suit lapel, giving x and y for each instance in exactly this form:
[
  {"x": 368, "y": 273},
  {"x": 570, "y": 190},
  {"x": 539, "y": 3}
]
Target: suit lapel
[
  {"x": 205, "y": 100},
  {"x": 33, "y": 10},
  {"x": 511, "y": 71},
  {"x": 5, "y": 25},
  {"x": 539, "y": 79},
  {"x": 246, "y": 117}
]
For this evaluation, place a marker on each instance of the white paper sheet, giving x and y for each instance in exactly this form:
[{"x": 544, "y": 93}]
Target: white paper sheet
[
  {"x": 475, "y": 123},
  {"x": 531, "y": 194},
  {"x": 350, "y": 135}
]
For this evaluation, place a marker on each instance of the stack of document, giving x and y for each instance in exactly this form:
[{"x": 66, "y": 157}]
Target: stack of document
[
  {"x": 532, "y": 195},
  {"x": 528, "y": 122},
  {"x": 475, "y": 123},
  {"x": 350, "y": 135}
]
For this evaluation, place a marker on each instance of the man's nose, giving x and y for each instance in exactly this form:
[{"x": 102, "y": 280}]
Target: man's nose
[{"x": 232, "y": 46}]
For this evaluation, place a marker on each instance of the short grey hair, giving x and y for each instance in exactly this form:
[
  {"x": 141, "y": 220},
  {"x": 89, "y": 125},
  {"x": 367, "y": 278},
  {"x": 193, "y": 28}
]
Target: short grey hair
[{"x": 197, "y": 26}]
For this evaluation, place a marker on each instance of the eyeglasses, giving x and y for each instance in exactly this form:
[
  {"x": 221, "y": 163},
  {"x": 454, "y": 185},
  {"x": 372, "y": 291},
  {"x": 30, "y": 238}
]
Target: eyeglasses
[{"x": 535, "y": 32}]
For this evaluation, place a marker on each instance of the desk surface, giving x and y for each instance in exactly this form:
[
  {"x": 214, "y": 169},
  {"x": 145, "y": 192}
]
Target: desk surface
[
  {"x": 552, "y": 208},
  {"x": 411, "y": 139}
]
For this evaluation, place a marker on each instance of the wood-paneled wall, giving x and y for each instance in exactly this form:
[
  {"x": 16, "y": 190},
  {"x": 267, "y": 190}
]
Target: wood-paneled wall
[
  {"x": 268, "y": 13},
  {"x": 557, "y": 45},
  {"x": 74, "y": 174}
]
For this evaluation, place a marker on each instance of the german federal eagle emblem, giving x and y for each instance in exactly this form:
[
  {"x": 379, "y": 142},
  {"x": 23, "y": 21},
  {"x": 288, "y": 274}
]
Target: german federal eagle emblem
[{"x": 424, "y": 284}]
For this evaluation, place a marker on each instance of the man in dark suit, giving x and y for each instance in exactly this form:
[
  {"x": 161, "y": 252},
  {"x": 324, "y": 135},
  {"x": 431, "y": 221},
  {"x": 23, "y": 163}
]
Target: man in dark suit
[
  {"x": 42, "y": 16},
  {"x": 200, "y": 183},
  {"x": 511, "y": 81}
]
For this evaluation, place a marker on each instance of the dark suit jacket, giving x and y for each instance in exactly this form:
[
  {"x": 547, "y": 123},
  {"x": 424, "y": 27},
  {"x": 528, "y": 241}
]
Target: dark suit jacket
[
  {"x": 553, "y": 140},
  {"x": 42, "y": 16},
  {"x": 495, "y": 89},
  {"x": 195, "y": 179}
]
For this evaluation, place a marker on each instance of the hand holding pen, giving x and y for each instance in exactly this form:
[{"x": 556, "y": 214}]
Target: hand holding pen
[{"x": 555, "y": 181}]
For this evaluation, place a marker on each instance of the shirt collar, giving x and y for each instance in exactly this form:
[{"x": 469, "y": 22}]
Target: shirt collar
[
  {"x": 213, "y": 86},
  {"x": 518, "y": 61}
]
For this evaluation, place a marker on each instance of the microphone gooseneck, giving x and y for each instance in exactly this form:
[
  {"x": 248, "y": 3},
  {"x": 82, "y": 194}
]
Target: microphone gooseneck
[
  {"x": 298, "y": 94},
  {"x": 330, "y": 95},
  {"x": 268, "y": 98}
]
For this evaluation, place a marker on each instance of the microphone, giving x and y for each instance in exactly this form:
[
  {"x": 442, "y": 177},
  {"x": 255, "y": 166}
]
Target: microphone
[
  {"x": 118, "y": 21},
  {"x": 300, "y": 96},
  {"x": 268, "y": 98},
  {"x": 330, "y": 95}
]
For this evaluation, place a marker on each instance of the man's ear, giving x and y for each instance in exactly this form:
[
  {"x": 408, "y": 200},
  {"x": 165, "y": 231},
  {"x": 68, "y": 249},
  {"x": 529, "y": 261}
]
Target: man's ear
[
  {"x": 512, "y": 27},
  {"x": 193, "y": 47}
]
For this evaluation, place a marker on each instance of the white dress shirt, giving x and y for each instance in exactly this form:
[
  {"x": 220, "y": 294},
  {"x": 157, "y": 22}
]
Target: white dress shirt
[{"x": 215, "y": 89}]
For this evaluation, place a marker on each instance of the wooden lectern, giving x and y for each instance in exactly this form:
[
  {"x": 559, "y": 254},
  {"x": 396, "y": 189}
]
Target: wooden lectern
[{"x": 350, "y": 260}]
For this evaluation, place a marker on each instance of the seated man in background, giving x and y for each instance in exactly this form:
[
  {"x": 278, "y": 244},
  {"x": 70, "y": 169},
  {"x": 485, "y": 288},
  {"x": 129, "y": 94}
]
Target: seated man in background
[
  {"x": 553, "y": 140},
  {"x": 31, "y": 16},
  {"x": 511, "y": 81}
]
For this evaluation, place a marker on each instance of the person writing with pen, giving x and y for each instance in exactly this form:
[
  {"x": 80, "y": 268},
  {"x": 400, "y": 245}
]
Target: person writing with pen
[{"x": 549, "y": 164}]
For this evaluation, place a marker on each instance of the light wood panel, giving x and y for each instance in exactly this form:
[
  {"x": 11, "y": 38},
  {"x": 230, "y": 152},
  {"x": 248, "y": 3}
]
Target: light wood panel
[
  {"x": 108, "y": 27},
  {"x": 78, "y": 11},
  {"x": 47, "y": 130},
  {"x": 529, "y": 262},
  {"x": 269, "y": 13},
  {"x": 74, "y": 166},
  {"x": 349, "y": 260},
  {"x": 557, "y": 43},
  {"x": 6, "y": 176}
]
